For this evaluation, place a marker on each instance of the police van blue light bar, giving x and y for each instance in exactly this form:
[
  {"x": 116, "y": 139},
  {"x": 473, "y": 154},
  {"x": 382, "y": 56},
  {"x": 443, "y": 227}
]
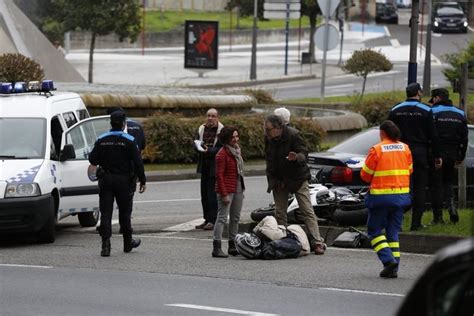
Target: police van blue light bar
[{"x": 45, "y": 86}]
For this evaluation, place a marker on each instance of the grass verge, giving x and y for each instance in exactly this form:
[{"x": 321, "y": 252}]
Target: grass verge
[{"x": 465, "y": 226}]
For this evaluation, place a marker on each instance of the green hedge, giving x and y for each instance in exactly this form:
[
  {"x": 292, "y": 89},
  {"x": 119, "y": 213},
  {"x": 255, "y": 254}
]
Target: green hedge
[
  {"x": 169, "y": 137},
  {"x": 376, "y": 109}
]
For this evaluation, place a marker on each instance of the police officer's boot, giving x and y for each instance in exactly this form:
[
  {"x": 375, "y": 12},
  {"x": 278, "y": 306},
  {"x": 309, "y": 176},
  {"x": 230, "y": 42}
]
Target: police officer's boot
[
  {"x": 105, "y": 252},
  {"x": 129, "y": 243},
  {"x": 453, "y": 212},
  {"x": 232, "y": 251},
  {"x": 217, "y": 250},
  {"x": 438, "y": 217}
]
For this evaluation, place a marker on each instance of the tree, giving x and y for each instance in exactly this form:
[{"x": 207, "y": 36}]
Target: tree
[
  {"x": 99, "y": 17},
  {"x": 456, "y": 59},
  {"x": 365, "y": 61}
]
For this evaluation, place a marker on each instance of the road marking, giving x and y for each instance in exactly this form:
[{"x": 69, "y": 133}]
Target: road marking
[
  {"x": 184, "y": 226},
  {"x": 24, "y": 266},
  {"x": 471, "y": 29},
  {"x": 387, "y": 32},
  {"x": 219, "y": 309},
  {"x": 361, "y": 292},
  {"x": 395, "y": 43},
  {"x": 167, "y": 201},
  {"x": 340, "y": 86}
]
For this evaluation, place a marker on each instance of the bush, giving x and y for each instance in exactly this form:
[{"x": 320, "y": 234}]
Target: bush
[
  {"x": 375, "y": 109},
  {"x": 262, "y": 96},
  {"x": 16, "y": 67},
  {"x": 170, "y": 136}
]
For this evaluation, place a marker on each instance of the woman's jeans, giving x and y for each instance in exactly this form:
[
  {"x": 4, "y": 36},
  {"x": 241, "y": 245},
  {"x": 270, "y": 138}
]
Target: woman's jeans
[{"x": 232, "y": 210}]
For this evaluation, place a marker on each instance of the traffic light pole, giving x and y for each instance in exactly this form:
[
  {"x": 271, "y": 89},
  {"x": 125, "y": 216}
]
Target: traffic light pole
[
  {"x": 253, "y": 61},
  {"x": 427, "y": 69}
]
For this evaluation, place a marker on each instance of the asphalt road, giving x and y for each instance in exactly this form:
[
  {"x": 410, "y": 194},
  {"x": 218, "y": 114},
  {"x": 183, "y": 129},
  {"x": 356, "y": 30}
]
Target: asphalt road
[{"x": 175, "y": 267}]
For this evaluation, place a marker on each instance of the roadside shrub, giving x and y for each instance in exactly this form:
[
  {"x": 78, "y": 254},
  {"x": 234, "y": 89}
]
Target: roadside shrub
[
  {"x": 170, "y": 136},
  {"x": 262, "y": 96},
  {"x": 375, "y": 109},
  {"x": 17, "y": 67}
]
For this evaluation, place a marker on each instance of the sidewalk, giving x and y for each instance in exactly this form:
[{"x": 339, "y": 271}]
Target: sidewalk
[{"x": 164, "y": 67}]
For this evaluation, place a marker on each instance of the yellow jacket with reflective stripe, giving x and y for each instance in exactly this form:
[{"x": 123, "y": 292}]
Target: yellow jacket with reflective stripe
[{"x": 387, "y": 168}]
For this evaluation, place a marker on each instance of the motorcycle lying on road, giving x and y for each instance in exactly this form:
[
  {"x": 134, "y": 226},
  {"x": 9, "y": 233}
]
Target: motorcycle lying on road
[{"x": 332, "y": 205}]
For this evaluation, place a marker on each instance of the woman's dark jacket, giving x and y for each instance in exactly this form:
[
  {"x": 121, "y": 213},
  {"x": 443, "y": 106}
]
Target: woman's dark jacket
[{"x": 280, "y": 171}]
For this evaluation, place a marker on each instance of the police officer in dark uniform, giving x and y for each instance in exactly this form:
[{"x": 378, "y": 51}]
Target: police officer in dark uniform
[
  {"x": 119, "y": 161},
  {"x": 136, "y": 130},
  {"x": 416, "y": 124},
  {"x": 451, "y": 125},
  {"x": 133, "y": 128}
]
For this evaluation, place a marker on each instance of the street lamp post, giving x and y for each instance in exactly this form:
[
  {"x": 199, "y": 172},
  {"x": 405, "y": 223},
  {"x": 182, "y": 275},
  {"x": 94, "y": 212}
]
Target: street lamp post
[
  {"x": 412, "y": 65},
  {"x": 427, "y": 69},
  {"x": 253, "y": 61}
]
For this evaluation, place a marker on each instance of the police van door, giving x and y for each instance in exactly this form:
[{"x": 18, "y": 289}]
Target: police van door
[{"x": 79, "y": 195}]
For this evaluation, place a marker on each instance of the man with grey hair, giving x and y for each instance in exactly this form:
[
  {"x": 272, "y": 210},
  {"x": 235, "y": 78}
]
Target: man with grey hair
[
  {"x": 287, "y": 172},
  {"x": 284, "y": 114}
]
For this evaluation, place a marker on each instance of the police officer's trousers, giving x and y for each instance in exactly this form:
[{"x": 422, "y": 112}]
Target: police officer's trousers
[
  {"x": 442, "y": 181},
  {"x": 419, "y": 181},
  {"x": 118, "y": 187}
]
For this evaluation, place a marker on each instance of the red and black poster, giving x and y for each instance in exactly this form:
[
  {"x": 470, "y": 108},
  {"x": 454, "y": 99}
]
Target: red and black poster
[{"x": 201, "y": 44}]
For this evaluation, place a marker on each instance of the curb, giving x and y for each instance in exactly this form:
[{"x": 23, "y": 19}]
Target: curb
[{"x": 251, "y": 83}]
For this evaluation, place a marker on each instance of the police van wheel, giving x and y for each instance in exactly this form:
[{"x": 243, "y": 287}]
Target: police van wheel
[
  {"x": 47, "y": 234},
  {"x": 88, "y": 219}
]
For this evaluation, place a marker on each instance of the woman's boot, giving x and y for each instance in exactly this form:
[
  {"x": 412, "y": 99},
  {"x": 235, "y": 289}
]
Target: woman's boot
[
  {"x": 217, "y": 251},
  {"x": 232, "y": 250}
]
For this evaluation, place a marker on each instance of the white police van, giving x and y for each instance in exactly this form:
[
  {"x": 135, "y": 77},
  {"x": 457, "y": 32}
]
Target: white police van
[{"x": 45, "y": 140}]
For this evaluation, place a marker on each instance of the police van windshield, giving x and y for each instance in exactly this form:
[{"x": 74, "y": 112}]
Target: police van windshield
[{"x": 22, "y": 138}]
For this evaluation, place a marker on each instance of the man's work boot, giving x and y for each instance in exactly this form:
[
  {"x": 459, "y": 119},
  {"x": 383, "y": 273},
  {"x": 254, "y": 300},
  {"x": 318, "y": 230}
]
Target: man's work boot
[
  {"x": 217, "y": 250},
  {"x": 319, "y": 248},
  {"x": 129, "y": 243},
  {"x": 209, "y": 226},
  {"x": 232, "y": 251},
  {"x": 389, "y": 270},
  {"x": 201, "y": 226},
  {"x": 105, "y": 252}
]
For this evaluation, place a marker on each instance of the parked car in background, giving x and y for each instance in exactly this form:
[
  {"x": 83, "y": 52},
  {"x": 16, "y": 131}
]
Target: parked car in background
[
  {"x": 341, "y": 164},
  {"x": 449, "y": 17},
  {"x": 386, "y": 12}
]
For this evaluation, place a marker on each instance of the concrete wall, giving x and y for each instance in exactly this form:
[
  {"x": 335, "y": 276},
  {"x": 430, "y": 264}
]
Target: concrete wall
[
  {"x": 176, "y": 39},
  {"x": 194, "y": 5}
]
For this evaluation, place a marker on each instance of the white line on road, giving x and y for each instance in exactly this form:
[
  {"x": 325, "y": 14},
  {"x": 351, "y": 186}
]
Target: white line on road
[
  {"x": 24, "y": 266},
  {"x": 361, "y": 292},
  {"x": 184, "y": 227},
  {"x": 158, "y": 201},
  {"x": 219, "y": 309},
  {"x": 394, "y": 42},
  {"x": 340, "y": 86}
]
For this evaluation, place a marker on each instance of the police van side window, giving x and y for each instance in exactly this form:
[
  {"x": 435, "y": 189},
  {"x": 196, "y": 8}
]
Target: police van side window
[
  {"x": 69, "y": 118},
  {"x": 56, "y": 133},
  {"x": 82, "y": 114}
]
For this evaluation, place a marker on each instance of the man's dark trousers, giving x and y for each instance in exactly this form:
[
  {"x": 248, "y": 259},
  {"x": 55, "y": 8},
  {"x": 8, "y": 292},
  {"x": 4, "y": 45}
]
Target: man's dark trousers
[
  {"x": 419, "y": 181},
  {"x": 115, "y": 186},
  {"x": 442, "y": 181},
  {"x": 208, "y": 193}
]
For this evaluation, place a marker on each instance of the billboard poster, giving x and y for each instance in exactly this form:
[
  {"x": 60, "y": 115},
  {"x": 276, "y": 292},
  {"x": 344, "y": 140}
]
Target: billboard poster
[{"x": 201, "y": 44}]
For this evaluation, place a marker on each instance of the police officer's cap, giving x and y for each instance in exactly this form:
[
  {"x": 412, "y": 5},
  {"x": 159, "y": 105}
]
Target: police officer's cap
[
  {"x": 440, "y": 92},
  {"x": 413, "y": 88},
  {"x": 117, "y": 117}
]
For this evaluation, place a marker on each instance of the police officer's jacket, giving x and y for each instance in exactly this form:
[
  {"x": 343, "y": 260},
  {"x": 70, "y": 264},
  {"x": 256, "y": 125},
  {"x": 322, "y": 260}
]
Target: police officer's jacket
[
  {"x": 388, "y": 167},
  {"x": 451, "y": 125},
  {"x": 117, "y": 153},
  {"x": 416, "y": 124},
  {"x": 136, "y": 130}
]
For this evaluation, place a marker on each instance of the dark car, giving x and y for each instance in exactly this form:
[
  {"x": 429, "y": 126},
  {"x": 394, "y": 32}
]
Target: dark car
[
  {"x": 449, "y": 17},
  {"x": 447, "y": 285},
  {"x": 386, "y": 13},
  {"x": 341, "y": 164}
]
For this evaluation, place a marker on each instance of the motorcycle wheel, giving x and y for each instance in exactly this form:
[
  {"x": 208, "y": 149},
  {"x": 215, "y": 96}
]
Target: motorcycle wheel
[
  {"x": 351, "y": 217},
  {"x": 262, "y": 212}
]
